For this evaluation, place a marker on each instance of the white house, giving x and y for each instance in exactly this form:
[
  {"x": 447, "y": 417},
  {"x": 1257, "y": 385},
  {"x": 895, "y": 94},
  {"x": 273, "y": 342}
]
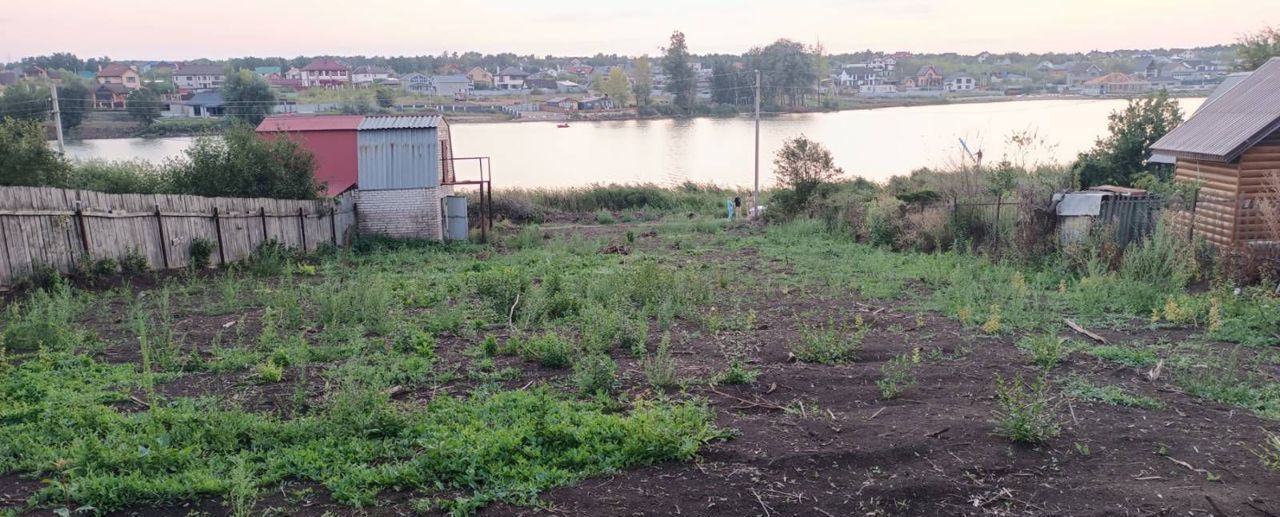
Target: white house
[
  {"x": 960, "y": 82},
  {"x": 199, "y": 77},
  {"x": 451, "y": 85},
  {"x": 370, "y": 74},
  {"x": 416, "y": 83},
  {"x": 510, "y": 78}
]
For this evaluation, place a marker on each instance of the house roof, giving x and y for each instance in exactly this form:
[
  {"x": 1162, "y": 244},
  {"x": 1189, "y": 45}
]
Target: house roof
[
  {"x": 201, "y": 70},
  {"x": 926, "y": 68},
  {"x": 400, "y": 122},
  {"x": 481, "y": 70},
  {"x": 1228, "y": 82},
  {"x": 1113, "y": 78},
  {"x": 372, "y": 69},
  {"x": 1224, "y": 128},
  {"x": 114, "y": 70},
  {"x": 513, "y": 71},
  {"x": 310, "y": 123},
  {"x": 450, "y": 79},
  {"x": 325, "y": 64},
  {"x": 266, "y": 70},
  {"x": 205, "y": 99}
]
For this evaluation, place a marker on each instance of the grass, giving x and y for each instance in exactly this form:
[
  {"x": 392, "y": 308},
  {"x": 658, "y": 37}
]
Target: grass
[{"x": 473, "y": 374}]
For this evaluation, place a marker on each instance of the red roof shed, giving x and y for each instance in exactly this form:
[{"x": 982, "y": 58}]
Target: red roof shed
[{"x": 332, "y": 139}]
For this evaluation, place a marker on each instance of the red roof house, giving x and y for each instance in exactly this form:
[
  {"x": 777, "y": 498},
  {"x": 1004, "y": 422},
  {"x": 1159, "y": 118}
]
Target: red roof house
[
  {"x": 332, "y": 139},
  {"x": 325, "y": 72}
]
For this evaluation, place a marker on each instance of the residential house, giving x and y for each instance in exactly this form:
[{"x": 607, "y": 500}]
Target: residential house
[
  {"x": 1227, "y": 149},
  {"x": 960, "y": 82},
  {"x": 1007, "y": 78},
  {"x": 560, "y": 105},
  {"x": 580, "y": 69},
  {"x": 416, "y": 83},
  {"x": 906, "y": 83},
  {"x": 595, "y": 104},
  {"x": 1075, "y": 73},
  {"x": 540, "y": 81},
  {"x": 855, "y": 75},
  {"x": 293, "y": 73},
  {"x": 451, "y": 85},
  {"x": 1148, "y": 67},
  {"x": 110, "y": 96},
  {"x": 199, "y": 77},
  {"x": 121, "y": 74},
  {"x": 480, "y": 78},
  {"x": 1115, "y": 84},
  {"x": 929, "y": 78},
  {"x": 510, "y": 78},
  {"x": 204, "y": 104},
  {"x": 326, "y": 73},
  {"x": 35, "y": 72},
  {"x": 285, "y": 84},
  {"x": 569, "y": 87},
  {"x": 370, "y": 74}
]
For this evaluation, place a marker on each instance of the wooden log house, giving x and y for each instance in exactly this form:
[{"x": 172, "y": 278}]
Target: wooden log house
[{"x": 1231, "y": 147}]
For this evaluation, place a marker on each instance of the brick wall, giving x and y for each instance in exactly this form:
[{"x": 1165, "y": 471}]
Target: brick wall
[{"x": 401, "y": 214}]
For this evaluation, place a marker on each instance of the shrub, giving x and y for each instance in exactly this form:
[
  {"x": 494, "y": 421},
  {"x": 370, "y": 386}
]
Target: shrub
[
  {"x": 105, "y": 267},
  {"x": 1269, "y": 453},
  {"x": 898, "y": 374},
  {"x": 134, "y": 262},
  {"x": 737, "y": 373},
  {"x": 883, "y": 220},
  {"x": 201, "y": 252},
  {"x": 1046, "y": 350},
  {"x": 44, "y": 319},
  {"x": 119, "y": 177},
  {"x": 595, "y": 373},
  {"x": 549, "y": 350},
  {"x": 270, "y": 259},
  {"x": 241, "y": 164},
  {"x": 28, "y": 158},
  {"x": 605, "y": 217},
  {"x": 270, "y": 372},
  {"x": 1162, "y": 259},
  {"x": 1023, "y": 411},
  {"x": 660, "y": 368},
  {"x": 830, "y": 346},
  {"x": 416, "y": 341}
]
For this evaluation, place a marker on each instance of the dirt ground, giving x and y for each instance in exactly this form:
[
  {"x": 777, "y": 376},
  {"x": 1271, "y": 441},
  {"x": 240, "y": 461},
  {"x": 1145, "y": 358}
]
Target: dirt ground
[{"x": 819, "y": 440}]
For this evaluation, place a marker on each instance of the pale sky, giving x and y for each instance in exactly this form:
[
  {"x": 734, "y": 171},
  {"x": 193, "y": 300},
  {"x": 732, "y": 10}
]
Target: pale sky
[{"x": 175, "y": 30}]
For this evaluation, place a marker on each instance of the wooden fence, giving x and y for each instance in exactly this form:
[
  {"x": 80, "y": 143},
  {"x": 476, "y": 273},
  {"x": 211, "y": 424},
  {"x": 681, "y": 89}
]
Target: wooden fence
[{"x": 50, "y": 227}]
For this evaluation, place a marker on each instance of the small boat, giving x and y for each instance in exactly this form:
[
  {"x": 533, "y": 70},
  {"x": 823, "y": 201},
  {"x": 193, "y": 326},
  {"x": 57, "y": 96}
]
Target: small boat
[{"x": 562, "y": 125}]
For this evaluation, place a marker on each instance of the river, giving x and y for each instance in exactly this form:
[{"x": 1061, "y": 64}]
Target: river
[{"x": 874, "y": 144}]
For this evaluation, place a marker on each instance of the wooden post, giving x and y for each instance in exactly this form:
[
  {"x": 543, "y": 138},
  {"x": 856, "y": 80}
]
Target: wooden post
[
  {"x": 262, "y": 211},
  {"x": 84, "y": 231},
  {"x": 217, "y": 228},
  {"x": 999, "y": 198},
  {"x": 1191, "y": 226},
  {"x": 164, "y": 243},
  {"x": 333, "y": 225},
  {"x": 302, "y": 228}
]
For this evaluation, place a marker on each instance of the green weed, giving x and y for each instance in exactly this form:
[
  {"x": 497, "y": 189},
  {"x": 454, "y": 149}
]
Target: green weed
[
  {"x": 897, "y": 375},
  {"x": 1025, "y": 412}
]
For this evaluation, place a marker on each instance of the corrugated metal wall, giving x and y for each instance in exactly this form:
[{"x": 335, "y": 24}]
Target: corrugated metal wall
[{"x": 398, "y": 158}]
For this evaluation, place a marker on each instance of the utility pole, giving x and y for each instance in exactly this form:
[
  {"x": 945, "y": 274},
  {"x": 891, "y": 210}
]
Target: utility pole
[
  {"x": 57, "y": 118},
  {"x": 756, "y": 199}
]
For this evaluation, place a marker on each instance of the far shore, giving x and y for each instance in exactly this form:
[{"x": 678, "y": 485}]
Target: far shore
[{"x": 116, "y": 130}]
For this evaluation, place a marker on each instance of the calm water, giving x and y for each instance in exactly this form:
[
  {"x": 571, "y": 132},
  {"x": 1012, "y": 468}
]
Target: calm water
[{"x": 874, "y": 144}]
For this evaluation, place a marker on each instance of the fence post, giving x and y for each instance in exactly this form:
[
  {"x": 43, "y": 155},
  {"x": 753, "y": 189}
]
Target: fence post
[
  {"x": 164, "y": 243},
  {"x": 84, "y": 231},
  {"x": 302, "y": 228},
  {"x": 217, "y": 228},
  {"x": 262, "y": 211},
  {"x": 996, "y": 227},
  {"x": 333, "y": 225}
]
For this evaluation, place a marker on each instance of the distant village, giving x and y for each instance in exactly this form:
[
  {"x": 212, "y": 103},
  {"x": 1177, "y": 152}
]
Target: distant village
[{"x": 559, "y": 89}]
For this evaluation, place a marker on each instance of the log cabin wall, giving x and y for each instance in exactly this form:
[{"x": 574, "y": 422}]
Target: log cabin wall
[
  {"x": 1215, "y": 208},
  {"x": 1258, "y": 167}
]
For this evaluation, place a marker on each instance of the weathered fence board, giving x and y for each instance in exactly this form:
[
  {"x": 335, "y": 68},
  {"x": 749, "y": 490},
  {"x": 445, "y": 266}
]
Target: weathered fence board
[{"x": 48, "y": 227}]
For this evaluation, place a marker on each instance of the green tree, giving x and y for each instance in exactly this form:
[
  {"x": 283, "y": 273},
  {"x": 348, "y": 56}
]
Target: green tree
[
  {"x": 25, "y": 101},
  {"x": 242, "y": 164},
  {"x": 248, "y": 97},
  {"x": 680, "y": 80},
  {"x": 1255, "y": 49},
  {"x": 143, "y": 105},
  {"x": 724, "y": 82},
  {"x": 385, "y": 97},
  {"x": 73, "y": 101},
  {"x": 802, "y": 167},
  {"x": 642, "y": 86},
  {"x": 1118, "y": 158},
  {"x": 618, "y": 87},
  {"x": 790, "y": 72},
  {"x": 26, "y": 158}
]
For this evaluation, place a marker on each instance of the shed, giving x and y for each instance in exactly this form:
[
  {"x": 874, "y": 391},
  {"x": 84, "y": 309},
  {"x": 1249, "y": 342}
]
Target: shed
[
  {"x": 1129, "y": 213},
  {"x": 402, "y": 177},
  {"x": 1231, "y": 147},
  {"x": 332, "y": 139}
]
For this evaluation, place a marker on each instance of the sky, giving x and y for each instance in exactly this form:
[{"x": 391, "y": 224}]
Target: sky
[{"x": 165, "y": 29}]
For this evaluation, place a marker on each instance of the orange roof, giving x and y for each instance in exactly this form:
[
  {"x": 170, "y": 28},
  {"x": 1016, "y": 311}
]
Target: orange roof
[
  {"x": 114, "y": 70},
  {"x": 1112, "y": 78}
]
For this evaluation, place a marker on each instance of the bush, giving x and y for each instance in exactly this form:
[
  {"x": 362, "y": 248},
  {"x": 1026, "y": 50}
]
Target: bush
[
  {"x": 737, "y": 373},
  {"x": 660, "y": 368},
  {"x": 28, "y": 160},
  {"x": 830, "y": 346},
  {"x": 595, "y": 373},
  {"x": 549, "y": 350},
  {"x": 1046, "y": 350},
  {"x": 1162, "y": 259},
  {"x": 119, "y": 177},
  {"x": 134, "y": 262},
  {"x": 201, "y": 253},
  {"x": 898, "y": 374},
  {"x": 270, "y": 372},
  {"x": 242, "y": 164},
  {"x": 1023, "y": 411},
  {"x": 44, "y": 319}
]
